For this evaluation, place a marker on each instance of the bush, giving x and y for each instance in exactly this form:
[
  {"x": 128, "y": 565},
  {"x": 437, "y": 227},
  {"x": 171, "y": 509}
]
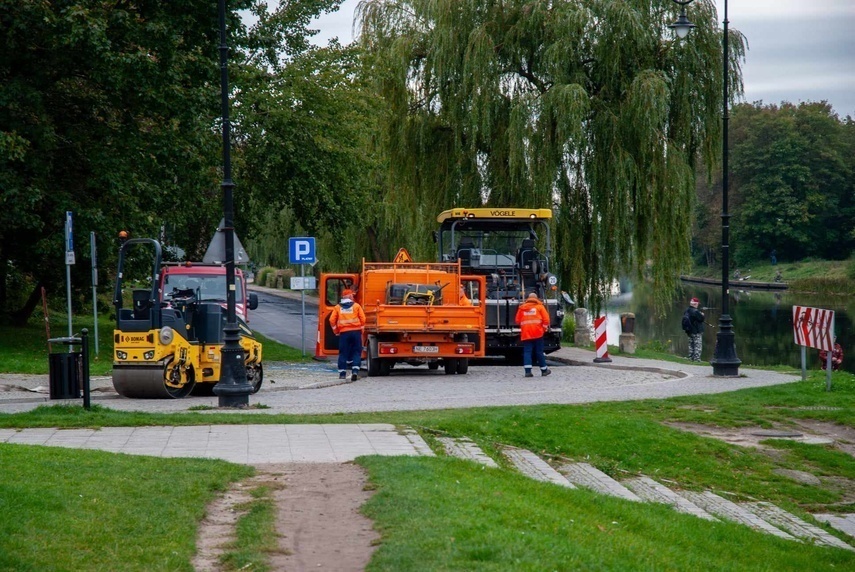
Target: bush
[
  {"x": 279, "y": 278},
  {"x": 568, "y": 327},
  {"x": 262, "y": 274}
]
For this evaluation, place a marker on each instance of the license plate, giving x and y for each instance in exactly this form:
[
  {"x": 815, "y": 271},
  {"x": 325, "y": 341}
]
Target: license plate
[{"x": 426, "y": 349}]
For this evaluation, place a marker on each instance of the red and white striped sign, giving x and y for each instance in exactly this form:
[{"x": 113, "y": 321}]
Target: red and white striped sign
[
  {"x": 600, "y": 339},
  {"x": 813, "y": 327}
]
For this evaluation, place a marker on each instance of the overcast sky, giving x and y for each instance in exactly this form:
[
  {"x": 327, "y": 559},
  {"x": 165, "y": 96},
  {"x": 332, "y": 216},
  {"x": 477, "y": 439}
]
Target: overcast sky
[{"x": 799, "y": 50}]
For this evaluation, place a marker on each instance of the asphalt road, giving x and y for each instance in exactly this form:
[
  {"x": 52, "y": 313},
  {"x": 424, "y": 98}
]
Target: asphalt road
[
  {"x": 280, "y": 317},
  {"x": 314, "y": 387}
]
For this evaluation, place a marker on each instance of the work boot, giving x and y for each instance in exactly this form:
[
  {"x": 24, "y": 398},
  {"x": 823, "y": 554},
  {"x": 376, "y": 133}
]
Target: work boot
[
  {"x": 354, "y": 377},
  {"x": 342, "y": 375},
  {"x": 528, "y": 373},
  {"x": 545, "y": 372}
]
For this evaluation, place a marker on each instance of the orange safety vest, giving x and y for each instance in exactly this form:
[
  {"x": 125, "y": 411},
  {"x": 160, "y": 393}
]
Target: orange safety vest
[
  {"x": 533, "y": 320},
  {"x": 347, "y": 319}
]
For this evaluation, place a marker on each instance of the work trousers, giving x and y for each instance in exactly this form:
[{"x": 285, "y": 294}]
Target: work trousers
[
  {"x": 534, "y": 347},
  {"x": 349, "y": 350}
]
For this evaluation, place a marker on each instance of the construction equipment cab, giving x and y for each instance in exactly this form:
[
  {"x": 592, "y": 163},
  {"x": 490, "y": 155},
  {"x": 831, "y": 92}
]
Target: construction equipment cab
[
  {"x": 511, "y": 249},
  {"x": 416, "y": 314}
]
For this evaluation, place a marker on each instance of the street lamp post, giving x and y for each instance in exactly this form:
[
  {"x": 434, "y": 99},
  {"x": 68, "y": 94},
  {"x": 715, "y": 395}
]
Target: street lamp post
[
  {"x": 724, "y": 362},
  {"x": 233, "y": 389}
]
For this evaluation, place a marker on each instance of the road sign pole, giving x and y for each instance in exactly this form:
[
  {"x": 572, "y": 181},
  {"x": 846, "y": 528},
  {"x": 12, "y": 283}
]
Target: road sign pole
[
  {"x": 69, "y": 260},
  {"x": 94, "y": 256},
  {"x": 301, "y": 250},
  {"x": 828, "y": 359},
  {"x": 303, "y": 313},
  {"x": 68, "y": 295}
]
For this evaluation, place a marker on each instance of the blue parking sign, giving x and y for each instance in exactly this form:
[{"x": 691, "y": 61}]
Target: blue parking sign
[{"x": 301, "y": 250}]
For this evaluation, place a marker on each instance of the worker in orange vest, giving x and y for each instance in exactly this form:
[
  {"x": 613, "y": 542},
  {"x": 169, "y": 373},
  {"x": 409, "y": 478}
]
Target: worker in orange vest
[
  {"x": 347, "y": 320},
  {"x": 534, "y": 323}
]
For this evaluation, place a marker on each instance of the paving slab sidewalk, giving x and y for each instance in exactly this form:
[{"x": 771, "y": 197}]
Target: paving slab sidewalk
[{"x": 246, "y": 444}]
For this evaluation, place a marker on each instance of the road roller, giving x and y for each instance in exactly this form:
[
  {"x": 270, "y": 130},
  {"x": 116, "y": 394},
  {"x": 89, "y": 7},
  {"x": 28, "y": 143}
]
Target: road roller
[{"x": 167, "y": 344}]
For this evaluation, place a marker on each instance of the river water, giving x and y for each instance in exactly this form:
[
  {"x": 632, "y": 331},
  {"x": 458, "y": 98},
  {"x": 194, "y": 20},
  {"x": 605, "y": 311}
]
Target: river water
[{"x": 762, "y": 323}]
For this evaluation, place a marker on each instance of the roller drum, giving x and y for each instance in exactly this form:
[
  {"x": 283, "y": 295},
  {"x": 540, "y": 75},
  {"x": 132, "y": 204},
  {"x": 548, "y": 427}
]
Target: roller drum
[{"x": 147, "y": 383}]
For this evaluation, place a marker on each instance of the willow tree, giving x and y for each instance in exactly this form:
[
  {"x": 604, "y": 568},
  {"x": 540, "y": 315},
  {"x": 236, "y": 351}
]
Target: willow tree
[{"x": 590, "y": 106}]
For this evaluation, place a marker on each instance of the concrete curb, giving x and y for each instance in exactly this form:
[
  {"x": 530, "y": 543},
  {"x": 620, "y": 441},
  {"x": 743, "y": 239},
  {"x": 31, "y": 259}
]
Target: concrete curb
[{"x": 672, "y": 372}]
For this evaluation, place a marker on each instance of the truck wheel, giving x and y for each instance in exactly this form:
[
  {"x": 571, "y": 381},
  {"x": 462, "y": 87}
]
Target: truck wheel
[
  {"x": 385, "y": 366},
  {"x": 373, "y": 366},
  {"x": 450, "y": 366},
  {"x": 462, "y": 366},
  {"x": 433, "y": 365},
  {"x": 373, "y": 362}
]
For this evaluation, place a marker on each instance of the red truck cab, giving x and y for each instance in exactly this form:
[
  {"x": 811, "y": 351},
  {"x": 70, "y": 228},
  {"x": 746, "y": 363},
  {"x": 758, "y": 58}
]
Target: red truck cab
[{"x": 209, "y": 283}]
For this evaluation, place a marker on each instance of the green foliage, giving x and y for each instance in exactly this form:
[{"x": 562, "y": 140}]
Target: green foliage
[
  {"x": 791, "y": 186},
  {"x": 106, "y": 111},
  {"x": 262, "y": 275},
  {"x": 278, "y": 278},
  {"x": 110, "y": 110},
  {"x": 568, "y": 328},
  {"x": 568, "y": 104},
  {"x": 850, "y": 267},
  {"x": 305, "y": 154}
]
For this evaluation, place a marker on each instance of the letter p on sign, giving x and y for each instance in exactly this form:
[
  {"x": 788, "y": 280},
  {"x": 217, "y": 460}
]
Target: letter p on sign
[{"x": 301, "y": 250}]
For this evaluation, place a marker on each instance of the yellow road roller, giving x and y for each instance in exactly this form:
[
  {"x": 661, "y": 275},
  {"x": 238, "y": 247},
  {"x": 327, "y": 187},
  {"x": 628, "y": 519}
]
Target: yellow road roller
[{"x": 167, "y": 344}]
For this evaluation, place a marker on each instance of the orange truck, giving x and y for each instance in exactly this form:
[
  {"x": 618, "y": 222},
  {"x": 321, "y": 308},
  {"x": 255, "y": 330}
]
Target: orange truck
[{"x": 416, "y": 313}]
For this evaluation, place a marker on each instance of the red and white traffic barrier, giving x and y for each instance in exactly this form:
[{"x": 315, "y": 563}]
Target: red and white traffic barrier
[
  {"x": 600, "y": 341},
  {"x": 318, "y": 355}
]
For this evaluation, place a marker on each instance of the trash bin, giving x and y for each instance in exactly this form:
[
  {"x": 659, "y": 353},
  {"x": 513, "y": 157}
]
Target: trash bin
[
  {"x": 627, "y": 323},
  {"x": 64, "y": 372}
]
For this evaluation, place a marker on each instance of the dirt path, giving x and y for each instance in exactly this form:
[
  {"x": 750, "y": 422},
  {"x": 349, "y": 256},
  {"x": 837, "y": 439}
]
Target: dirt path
[{"x": 318, "y": 519}]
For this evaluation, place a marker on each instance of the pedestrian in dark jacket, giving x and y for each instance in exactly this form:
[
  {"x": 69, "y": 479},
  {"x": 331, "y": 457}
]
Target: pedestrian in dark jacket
[{"x": 693, "y": 325}]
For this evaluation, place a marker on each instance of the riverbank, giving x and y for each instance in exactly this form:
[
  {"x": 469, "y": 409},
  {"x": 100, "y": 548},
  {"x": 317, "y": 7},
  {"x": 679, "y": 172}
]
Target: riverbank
[
  {"x": 835, "y": 277},
  {"x": 738, "y": 283}
]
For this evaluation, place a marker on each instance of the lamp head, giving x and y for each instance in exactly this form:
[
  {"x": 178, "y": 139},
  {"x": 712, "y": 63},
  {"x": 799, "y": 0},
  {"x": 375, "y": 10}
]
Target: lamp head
[{"x": 682, "y": 26}]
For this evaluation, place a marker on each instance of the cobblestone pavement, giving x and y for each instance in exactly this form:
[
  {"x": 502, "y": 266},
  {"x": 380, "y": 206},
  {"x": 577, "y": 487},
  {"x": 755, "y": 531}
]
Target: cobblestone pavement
[{"x": 314, "y": 387}]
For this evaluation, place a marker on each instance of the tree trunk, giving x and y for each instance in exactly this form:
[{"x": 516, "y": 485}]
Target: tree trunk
[
  {"x": 21, "y": 316},
  {"x": 374, "y": 244},
  {"x": 4, "y": 272}
]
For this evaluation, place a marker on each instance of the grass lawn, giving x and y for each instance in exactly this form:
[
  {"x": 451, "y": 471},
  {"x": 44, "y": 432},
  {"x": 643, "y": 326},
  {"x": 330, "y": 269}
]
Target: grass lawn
[
  {"x": 821, "y": 276},
  {"x": 66, "y": 509},
  {"x": 25, "y": 350},
  {"x": 445, "y": 514}
]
